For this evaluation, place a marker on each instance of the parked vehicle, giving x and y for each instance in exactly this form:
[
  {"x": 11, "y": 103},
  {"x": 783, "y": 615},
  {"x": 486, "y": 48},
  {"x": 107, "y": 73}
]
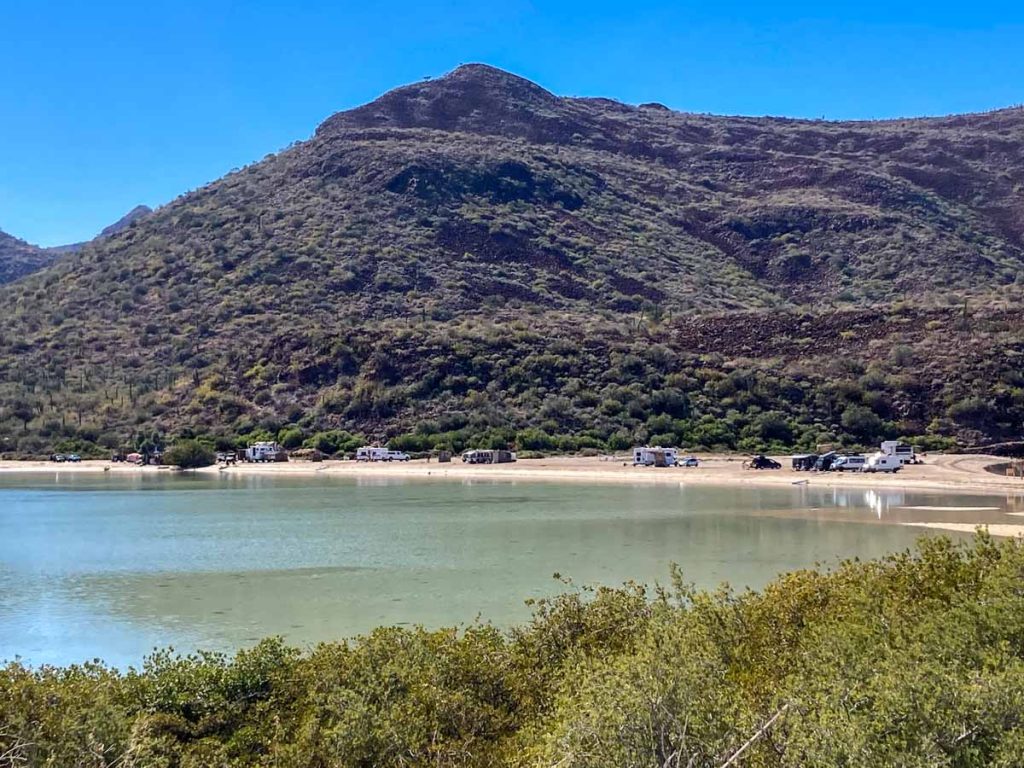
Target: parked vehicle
[
  {"x": 371, "y": 453},
  {"x": 804, "y": 462},
  {"x": 882, "y": 462},
  {"x": 851, "y": 463},
  {"x": 654, "y": 456},
  {"x": 824, "y": 461},
  {"x": 265, "y": 451},
  {"x": 689, "y": 461},
  {"x": 905, "y": 453},
  {"x": 396, "y": 456},
  {"x": 73, "y": 457},
  {"x": 761, "y": 462},
  {"x": 496, "y": 456},
  {"x": 58, "y": 457},
  {"x": 227, "y": 457}
]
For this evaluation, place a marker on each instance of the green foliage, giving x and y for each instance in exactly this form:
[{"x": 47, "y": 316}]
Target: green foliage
[
  {"x": 189, "y": 454},
  {"x": 915, "y": 660}
]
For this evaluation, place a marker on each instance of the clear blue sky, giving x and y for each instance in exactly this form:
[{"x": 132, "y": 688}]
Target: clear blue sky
[{"x": 105, "y": 105}]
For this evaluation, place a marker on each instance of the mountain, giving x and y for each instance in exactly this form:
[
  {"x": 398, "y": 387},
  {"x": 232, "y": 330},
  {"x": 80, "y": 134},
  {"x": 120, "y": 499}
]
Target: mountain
[
  {"x": 18, "y": 258},
  {"x": 473, "y": 257},
  {"x": 136, "y": 213}
]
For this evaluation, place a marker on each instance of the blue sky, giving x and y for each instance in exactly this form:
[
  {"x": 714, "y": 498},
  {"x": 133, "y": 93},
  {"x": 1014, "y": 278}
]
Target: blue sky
[{"x": 106, "y": 105}]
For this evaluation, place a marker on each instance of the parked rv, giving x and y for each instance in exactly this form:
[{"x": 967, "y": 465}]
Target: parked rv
[
  {"x": 497, "y": 456},
  {"x": 264, "y": 452},
  {"x": 852, "y": 463},
  {"x": 804, "y": 462},
  {"x": 882, "y": 462},
  {"x": 654, "y": 456},
  {"x": 905, "y": 453},
  {"x": 371, "y": 453}
]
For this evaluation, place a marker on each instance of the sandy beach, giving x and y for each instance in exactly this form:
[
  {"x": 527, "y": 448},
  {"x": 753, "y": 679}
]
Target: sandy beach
[{"x": 956, "y": 473}]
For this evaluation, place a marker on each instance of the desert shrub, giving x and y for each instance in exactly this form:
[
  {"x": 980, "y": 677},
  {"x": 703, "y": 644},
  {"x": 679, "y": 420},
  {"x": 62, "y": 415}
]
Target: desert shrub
[{"x": 189, "y": 454}]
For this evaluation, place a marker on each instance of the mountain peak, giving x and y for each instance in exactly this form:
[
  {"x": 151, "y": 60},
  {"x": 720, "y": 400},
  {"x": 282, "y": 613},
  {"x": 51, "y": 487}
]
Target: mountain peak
[{"x": 475, "y": 98}]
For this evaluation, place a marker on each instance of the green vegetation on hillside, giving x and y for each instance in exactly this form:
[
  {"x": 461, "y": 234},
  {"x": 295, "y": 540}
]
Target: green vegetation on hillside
[
  {"x": 473, "y": 258},
  {"x": 913, "y": 660}
]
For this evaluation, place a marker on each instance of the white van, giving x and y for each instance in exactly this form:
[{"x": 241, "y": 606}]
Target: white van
[
  {"x": 371, "y": 453},
  {"x": 848, "y": 464},
  {"x": 882, "y": 462}
]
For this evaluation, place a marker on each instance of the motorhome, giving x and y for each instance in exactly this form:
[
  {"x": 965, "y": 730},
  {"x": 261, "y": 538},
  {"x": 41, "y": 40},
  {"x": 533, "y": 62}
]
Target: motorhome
[
  {"x": 882, "y": 462},
  {"x": 498, "y": 456},
  {"x": 265, "y": 451},
  {"x": 852, "y": 463},
  {"x": 371, "y": 453},
  {"x": 902, "y": 451},
  {"x": 654, "y": 456}
]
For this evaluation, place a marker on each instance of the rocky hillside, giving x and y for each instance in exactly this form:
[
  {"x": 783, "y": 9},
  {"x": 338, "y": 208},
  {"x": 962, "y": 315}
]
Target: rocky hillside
[
  {"x": 18, "y": 258},
  {"x": 492, "y": 225}
]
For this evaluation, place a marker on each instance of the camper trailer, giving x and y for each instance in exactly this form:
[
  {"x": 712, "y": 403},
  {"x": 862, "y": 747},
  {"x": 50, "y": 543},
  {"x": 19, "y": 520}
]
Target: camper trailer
[
  {"x": 654, "y": 456},
  {"x": 498, "y": 456},
  {"x": 371, "y": 453},
  {"x": 902, "y": 451},
  {"x": 265, "y": 451}
]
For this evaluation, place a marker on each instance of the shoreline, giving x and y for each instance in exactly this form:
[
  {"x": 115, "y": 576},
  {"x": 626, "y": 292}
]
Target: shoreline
[
  {"x": 946, "y": 472},
  {"x": 950, "y": 473}
]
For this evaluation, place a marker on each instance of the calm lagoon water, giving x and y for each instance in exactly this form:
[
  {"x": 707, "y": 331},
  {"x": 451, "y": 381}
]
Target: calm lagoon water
[{"x": 112, "y": 567}]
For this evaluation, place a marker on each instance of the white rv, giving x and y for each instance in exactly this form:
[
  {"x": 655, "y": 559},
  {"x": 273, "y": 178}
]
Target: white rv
[
  {"x": 882, "y": 462},
  {"x": 902, "y": 451},
  {"x": 654, "y": 456},
  {"x": 265, "y": 451},
  {"x": 371, "y": 453}
]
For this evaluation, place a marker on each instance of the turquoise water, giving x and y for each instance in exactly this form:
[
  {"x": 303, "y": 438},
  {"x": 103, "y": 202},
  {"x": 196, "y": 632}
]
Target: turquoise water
[{"x": 112, "y": 567}]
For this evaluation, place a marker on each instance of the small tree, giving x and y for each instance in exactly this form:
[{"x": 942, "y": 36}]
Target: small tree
[{"x": 190, "y": 454}]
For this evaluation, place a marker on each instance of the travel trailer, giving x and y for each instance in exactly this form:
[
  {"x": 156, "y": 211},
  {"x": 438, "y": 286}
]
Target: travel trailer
[
  {"x": 371, "y": 453},
  {"x": 654, "y": 456},
  {"x": 902, "y": 451},
  {"x": 882, "y": 462},
  {"x": 265, "y": 451},
  {"x": 497, "y": 456}
]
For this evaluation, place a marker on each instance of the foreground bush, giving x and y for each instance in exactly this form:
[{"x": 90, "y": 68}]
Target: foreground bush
[
  {"x": 914, "y": 660},
  {"x": 190, "y": 454}
]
